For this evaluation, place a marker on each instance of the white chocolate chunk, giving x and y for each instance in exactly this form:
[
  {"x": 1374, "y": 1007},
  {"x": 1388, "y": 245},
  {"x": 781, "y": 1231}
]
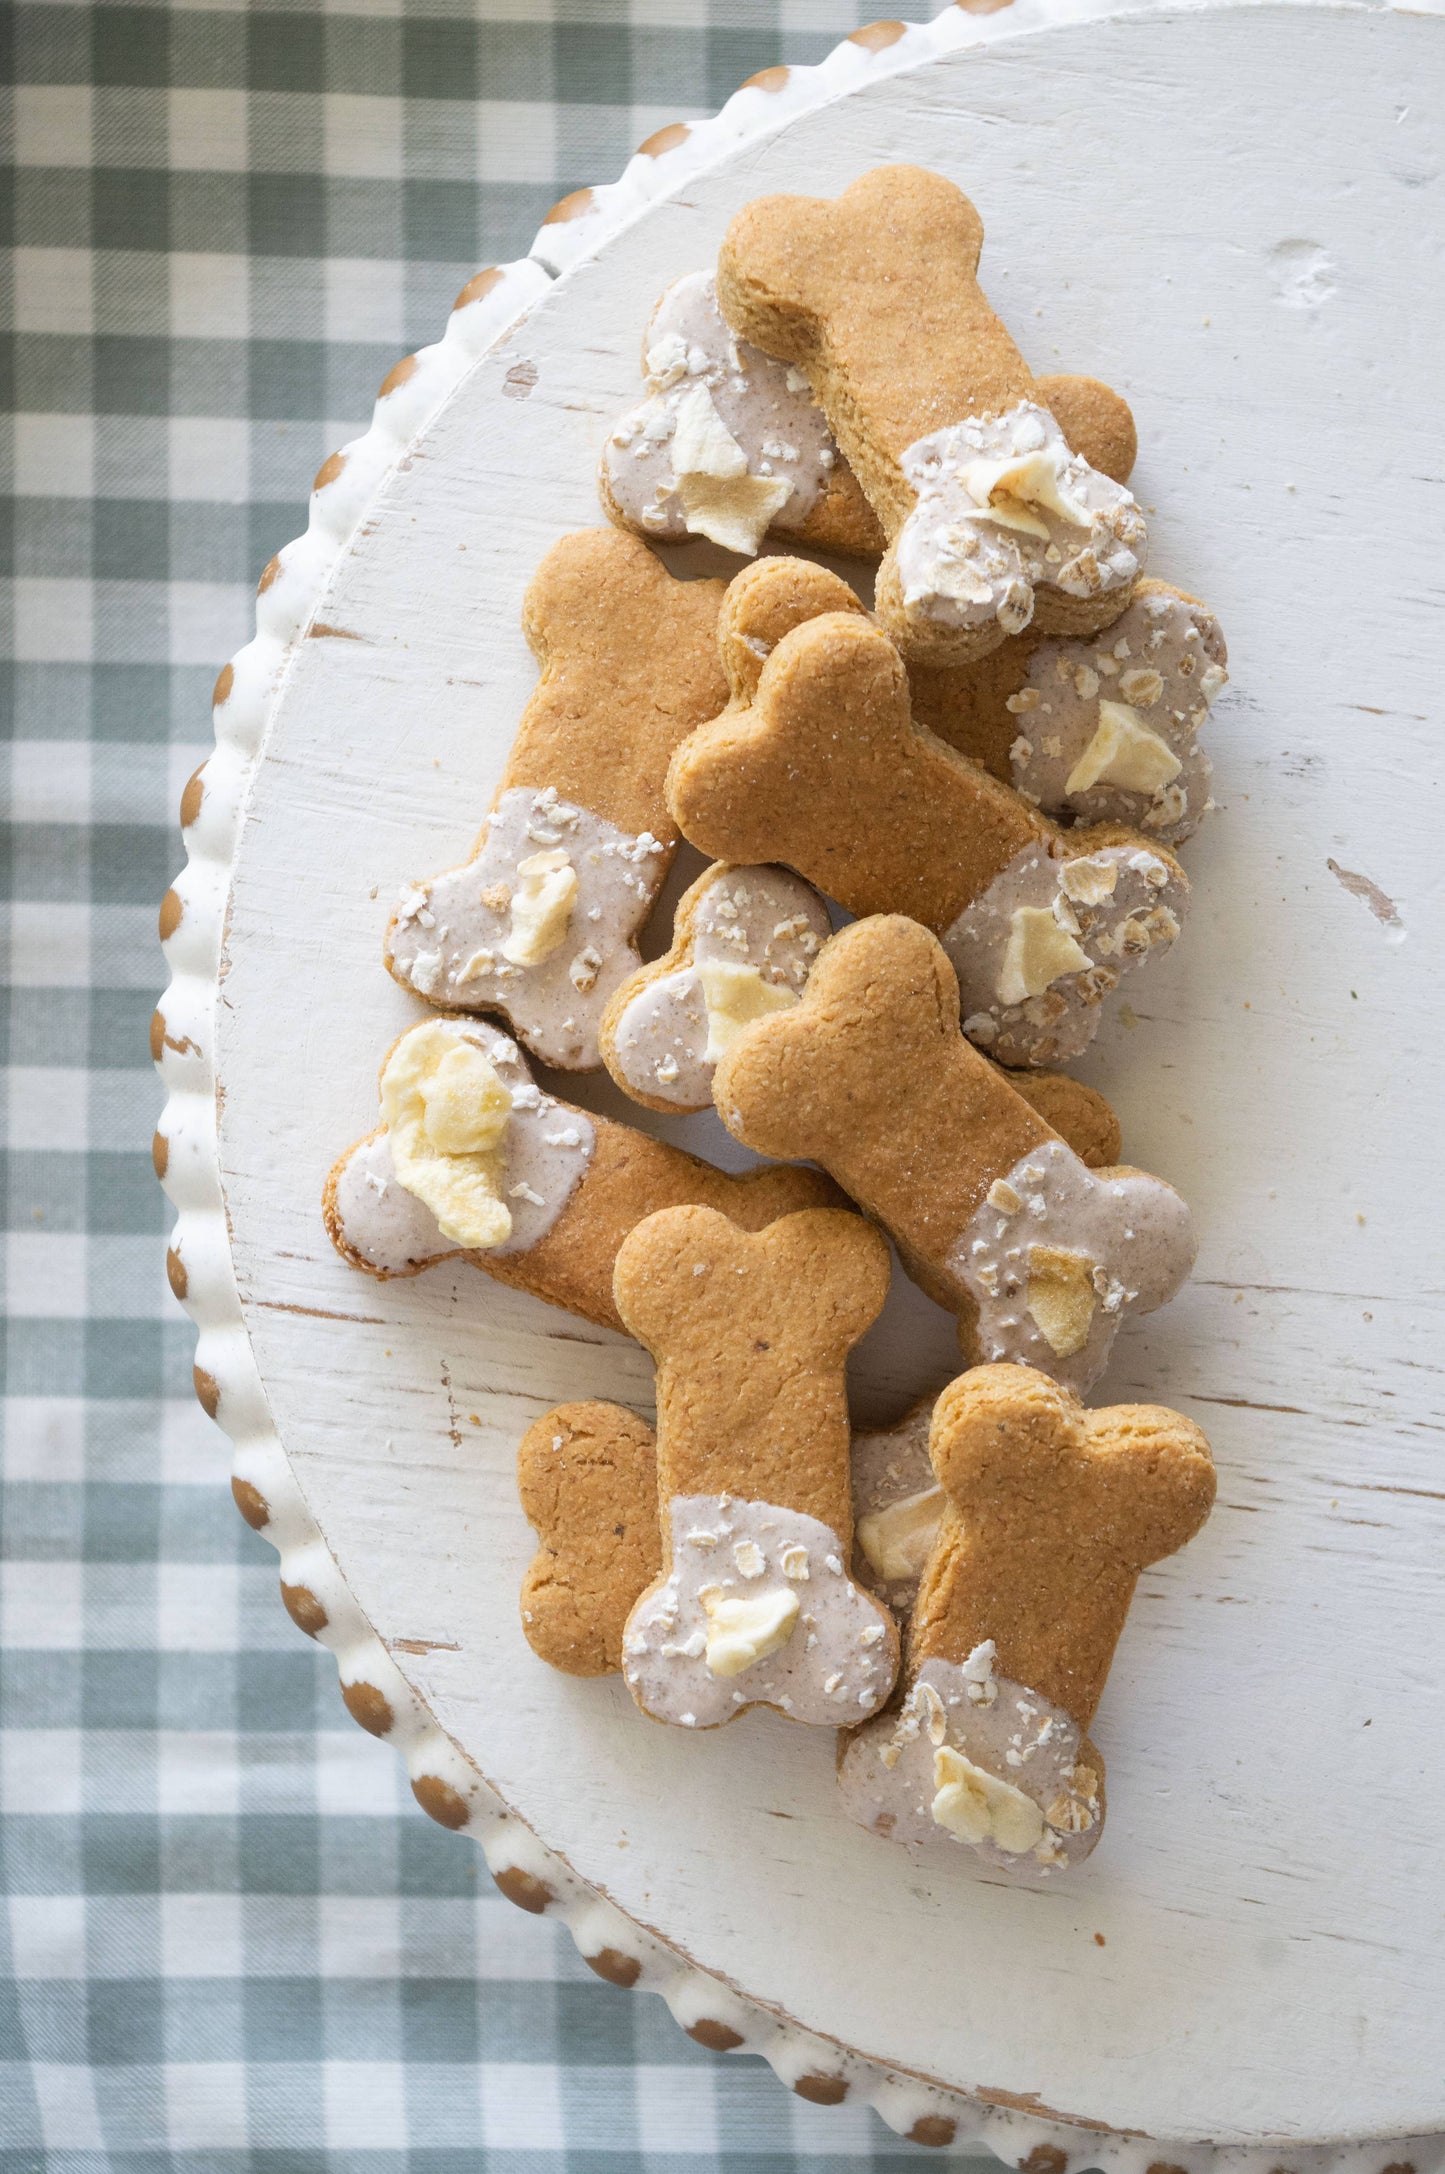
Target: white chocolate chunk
[
  {"x": 743, "y": 1629},
  {"x": 898, "y": 1539},
  {"x": 446, "y": 1111},
  {"x": 734, "y": 513},
  {"x": 735, "y": 996},
  {"x": 541, "y": 907},
  {"x": 1124, "y": 752},
  {"x": 1089, "y": 882},
  {"x": 1038, "y": 952},
  {"x": 978, "y": 1807},
  {"x": 702, "y": 444},
  {"x": 1008, "y": 487},
  {"x": 1061, "y": 1297}
]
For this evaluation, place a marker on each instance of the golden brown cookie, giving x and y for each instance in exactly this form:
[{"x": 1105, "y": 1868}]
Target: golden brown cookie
[
  {"x": 750, "y": 1333},
  {"x": 588, "y": 1480},
  {"x": 728, "y": 443},
  {"x": 817, "y": 763},
  {"x": 541, "y": 922},
  {"x": 997, "y": 1219},
  {"x": 992, "y": 520},
  {"x": 472, "y": 1159},
  {"x": 587, "y": 1477},
  {"x": 1052, "y": 1512}
]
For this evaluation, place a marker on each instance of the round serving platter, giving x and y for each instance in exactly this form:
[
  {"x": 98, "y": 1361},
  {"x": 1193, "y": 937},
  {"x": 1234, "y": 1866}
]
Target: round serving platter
[{"x": 1234, "y": 215}]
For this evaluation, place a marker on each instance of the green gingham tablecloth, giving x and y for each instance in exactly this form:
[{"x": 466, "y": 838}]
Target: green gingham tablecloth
[{"x": 231, "y": 1942}]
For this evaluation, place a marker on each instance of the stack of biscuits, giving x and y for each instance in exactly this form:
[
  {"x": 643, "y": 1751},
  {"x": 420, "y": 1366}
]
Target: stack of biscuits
[{"x": 940, "y": 832}]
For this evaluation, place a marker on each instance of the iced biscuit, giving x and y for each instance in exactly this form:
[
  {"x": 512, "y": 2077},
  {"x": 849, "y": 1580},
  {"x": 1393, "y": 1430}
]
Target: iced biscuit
[
  {"x": 743, "y": 940},
  {"x": 541, "y": 923},
  {"x": 993, "y": 1215},
  {"x": 587, "y": 1477},
  {"x": 992, "y": 521},
  {"x": 587, "y": 1474},
  {"x": 743, "y": 943},
  {"x": 897, "y": 1506},
  {"x": 750, "y": 1333},
  {"x": 472, "y": 1159},
  {"x": 1102, "y": 729},
  {"x": 820, "y": 765},
  {"x": 1052, "y": 1512},
  {"x": 728, "y": 443}
]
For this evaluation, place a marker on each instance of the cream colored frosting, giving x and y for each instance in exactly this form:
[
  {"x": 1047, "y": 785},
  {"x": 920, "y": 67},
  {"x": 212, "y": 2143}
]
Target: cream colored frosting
[
  {"x": 757, "y": 1609},
  {"x": 539, "y": 1157},
  {"x": 728, "y": 441},
  {"x": 1163, "y": 663},
  {"x": 1058, "y": 1255},
  {"x": 974, "y": 1760},
  {"x": 1004, "y": 508},
  {"x": 541, "y": 925},
  {"x": 897, "y": 1506},
  {"x": 1040, "y": 949},
  {"x": 756, "y": 933}
]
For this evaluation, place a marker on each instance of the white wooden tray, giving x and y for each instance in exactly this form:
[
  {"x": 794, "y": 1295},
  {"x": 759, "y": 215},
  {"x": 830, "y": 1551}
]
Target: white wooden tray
[{"x": 1234, "y": 214}]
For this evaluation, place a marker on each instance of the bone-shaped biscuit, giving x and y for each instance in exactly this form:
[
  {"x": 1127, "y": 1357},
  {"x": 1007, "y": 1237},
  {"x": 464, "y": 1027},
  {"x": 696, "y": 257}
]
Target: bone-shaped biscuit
[
  {"x": 750, "y": 1334},
  {"x": 992, "y": 522},
  {"x": 730, "y": 444},
  {"x": 743, "y": 941},
  {"x": 1052, "y": 1513},
  {"x": 587, "y": 1475},
  {"x": 541, "y": 922},
  {"x": 473, "y": 1160},
  {"x": 1100, "y": 729},
  {"x": 817, "y": 762},
  {"x": 993, "y": 1215},
  {"x": 587, "y": 1478}
]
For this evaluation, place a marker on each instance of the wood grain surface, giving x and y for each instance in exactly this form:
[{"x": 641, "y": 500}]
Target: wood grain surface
[{"x": 1235, "y": 217}]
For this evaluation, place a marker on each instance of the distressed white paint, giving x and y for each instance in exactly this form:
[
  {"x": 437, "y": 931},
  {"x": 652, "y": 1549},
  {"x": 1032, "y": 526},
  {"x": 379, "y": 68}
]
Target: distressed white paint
[{"x": 1269, "y": 1887}]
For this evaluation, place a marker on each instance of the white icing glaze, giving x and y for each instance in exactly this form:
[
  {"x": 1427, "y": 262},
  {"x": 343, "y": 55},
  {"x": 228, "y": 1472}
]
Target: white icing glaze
[
  {"x": 450, "y": 937},
  {"x": 891, "y": 1466},
  {"x": 888, "y": 1776},
  {"x": 764, "y": 405},
  {"x": 752, "y": 917},
  {"x": 837, "y": 1665},
  {"x": 1134, "y": 1233},
  {"x": 960, "y": 565},
  {"x": 1058, "y": 713},
  {"x": 1139, "y": 916},
  {"x": 545, "y": 1153}
]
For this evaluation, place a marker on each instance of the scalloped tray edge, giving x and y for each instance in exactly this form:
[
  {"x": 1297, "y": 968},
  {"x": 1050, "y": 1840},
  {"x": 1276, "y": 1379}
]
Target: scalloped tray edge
[{"x": 193, "y": 926}]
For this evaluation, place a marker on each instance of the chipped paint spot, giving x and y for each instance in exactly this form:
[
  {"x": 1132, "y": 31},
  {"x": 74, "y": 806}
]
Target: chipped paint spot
[{"x": 1381, "y": 906}]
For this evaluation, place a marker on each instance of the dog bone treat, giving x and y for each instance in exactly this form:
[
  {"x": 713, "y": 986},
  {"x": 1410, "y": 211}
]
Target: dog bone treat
[
  {"x": 1052, "y": 1512},
  {"x": 993, "y": 522},
  {"x": 541, "y": 923},
  {"x": 587, "y": 1474},
  {"x": 728, "y": 443},
  {"x": 993, "y": 1215},
  {"x": 742, "y": 942},
  {"x": 472, "y": 1159},
  {"x": 587, "y": 1477},
  {"x": 823, "y": 768},
  {"x": 1102, "y": 729},
  {"x": 750, "y": 1333},
  {"x": 897, "y": 1505}
]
